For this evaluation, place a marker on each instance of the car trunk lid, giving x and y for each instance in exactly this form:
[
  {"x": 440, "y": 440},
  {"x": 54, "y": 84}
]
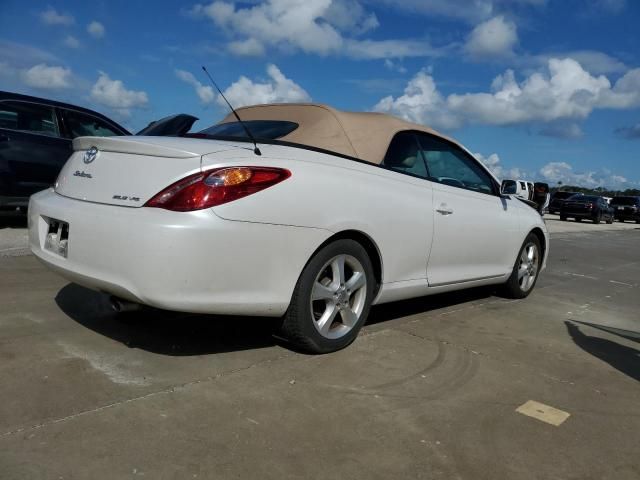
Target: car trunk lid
[{"x": 128, "y": 171}]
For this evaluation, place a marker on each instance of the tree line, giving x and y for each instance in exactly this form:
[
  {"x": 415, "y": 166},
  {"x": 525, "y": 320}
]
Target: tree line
[{"x": 601, "y": 191}]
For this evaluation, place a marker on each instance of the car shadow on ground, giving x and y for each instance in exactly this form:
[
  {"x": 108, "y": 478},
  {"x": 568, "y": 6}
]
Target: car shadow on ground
[
  {"x": 184, "y": 334},
  {"x": 622, "y": 358},
  {"x": 164, "y": 332}
]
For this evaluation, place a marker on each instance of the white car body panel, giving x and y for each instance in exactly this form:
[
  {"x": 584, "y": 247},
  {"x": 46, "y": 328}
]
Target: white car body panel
[
  {"x": 185, "y": 261},
  {"x": 463, "y": 248},
  {"x": 245, "y": 257}
]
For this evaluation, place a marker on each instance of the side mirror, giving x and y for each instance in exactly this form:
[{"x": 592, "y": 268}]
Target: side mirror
[{"x": 509, "y": 187}]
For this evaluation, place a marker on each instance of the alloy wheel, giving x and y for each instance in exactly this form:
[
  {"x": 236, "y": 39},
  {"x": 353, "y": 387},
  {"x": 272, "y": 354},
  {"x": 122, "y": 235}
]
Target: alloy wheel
[
  {"x": 338, "y": 296},
  {"x": 528, "y": 267}
]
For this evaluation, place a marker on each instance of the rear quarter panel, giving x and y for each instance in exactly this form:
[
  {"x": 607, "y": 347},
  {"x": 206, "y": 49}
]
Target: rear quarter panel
[{"x": 338, "y": 194}]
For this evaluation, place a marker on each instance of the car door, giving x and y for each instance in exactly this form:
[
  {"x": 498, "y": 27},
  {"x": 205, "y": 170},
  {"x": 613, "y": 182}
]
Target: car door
[
  {"x": 31, "y": 148},
  {"x": 475, "y": 229},
  {"x": 412, "y": 230}
]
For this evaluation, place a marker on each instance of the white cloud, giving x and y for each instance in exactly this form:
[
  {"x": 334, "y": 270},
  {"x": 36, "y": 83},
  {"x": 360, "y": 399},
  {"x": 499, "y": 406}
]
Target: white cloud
[
  {"x": 20, "y": 55},
  {"x": 96, "y": 29},
  {"x": 71, "y": 42},
  {"x": 381, "y": 49},
  {"x": 421, "y": 103},
  {"x": 565, "y": 92},
  {"x": 492, "y": 162},
  {"x": 46, "y": 77},
  {"x": 554, "y": 172},
  {"x": 205, "y": 93},
  {"x": 493, "y": 38},
  {"x": 350, "y": 16},
  {"x": 249, "y": 47},
  {"x": 321, "y": 27},
  {"x": 113, "y": 94},
  {"x": 394, "y": 66},
  {"x": 51, "y": 17},
  {"x": 276, "y": 89},
  {"x": 468, "y": 10},
  {"x": 591, "y": 60}
]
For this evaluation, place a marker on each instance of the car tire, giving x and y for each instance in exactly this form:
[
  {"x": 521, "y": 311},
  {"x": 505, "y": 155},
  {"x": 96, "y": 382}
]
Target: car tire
[
  {"x": 597, "y": 219},
  {"x": 333, "y": 319},
  {"x": 610, "y": 220},
  {"x": 563, "y": 218},
  {"x": 621, "y": 220},
  {"x": 578, "y": 219},
  {"x": 525, "y": 270}
]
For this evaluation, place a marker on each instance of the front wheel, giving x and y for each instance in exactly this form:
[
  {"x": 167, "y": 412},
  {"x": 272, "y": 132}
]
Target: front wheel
[
  {"x": 525, "y": 271},
  {"x": 332, "y": 298}
]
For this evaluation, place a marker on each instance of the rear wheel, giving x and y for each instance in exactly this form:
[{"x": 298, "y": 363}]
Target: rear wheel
[
  {"x": 610, "y": 220},
  {"x": 332, "y": 298},
  {"x": 563, "y": 218},
  {"x": 598, "y": 218},
  {"x": 525, "y": 271}
]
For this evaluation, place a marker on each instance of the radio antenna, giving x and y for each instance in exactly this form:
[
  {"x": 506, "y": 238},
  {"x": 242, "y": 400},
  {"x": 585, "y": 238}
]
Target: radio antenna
[{"x": 256, "y": 150}]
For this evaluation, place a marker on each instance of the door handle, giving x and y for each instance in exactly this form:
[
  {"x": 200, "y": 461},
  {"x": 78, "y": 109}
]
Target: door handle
[{"x": 444, "y": 210}]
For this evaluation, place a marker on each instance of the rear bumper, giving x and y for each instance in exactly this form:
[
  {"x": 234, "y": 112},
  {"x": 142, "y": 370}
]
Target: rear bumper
[{"x": 193, "y": 262}]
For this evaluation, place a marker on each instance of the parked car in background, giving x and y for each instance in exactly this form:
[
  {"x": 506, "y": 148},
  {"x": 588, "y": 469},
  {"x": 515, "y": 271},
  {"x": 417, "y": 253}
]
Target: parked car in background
[
  {"x": 558, "y": 198},
  {"x": 590, "y": 207},
  {"x": 36, "y": 136},
  {"x": 626, "y": 208},
  {"x": 35, "y": 142},
  {"x": 326, "y": 214}
]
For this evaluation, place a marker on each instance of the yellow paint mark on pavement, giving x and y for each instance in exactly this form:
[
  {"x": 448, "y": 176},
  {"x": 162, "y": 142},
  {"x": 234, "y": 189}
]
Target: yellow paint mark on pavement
[{"x": 543, "y": 412}]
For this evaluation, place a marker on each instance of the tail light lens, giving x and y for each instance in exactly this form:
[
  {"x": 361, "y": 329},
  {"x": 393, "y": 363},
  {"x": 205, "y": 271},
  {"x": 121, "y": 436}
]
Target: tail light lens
[{"x": 215, "y": 187}]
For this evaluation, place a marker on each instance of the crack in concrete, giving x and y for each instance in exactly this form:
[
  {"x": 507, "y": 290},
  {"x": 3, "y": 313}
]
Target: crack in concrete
[{"x": 164, "y": 391}]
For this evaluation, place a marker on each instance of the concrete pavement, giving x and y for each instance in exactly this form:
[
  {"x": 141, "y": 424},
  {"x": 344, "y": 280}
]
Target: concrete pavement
[{"x": 429, "y": 390}]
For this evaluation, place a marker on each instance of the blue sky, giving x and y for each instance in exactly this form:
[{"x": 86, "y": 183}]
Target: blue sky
[{"x": 539, "y": 89}]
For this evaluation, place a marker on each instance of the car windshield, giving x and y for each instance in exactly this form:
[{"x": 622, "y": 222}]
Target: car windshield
[
  {"x": 266, "y": 129},
  {"x": 624, "y": 201}
]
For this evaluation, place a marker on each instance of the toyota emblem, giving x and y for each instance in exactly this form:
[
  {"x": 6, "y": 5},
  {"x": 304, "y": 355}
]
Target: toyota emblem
[{"x": 90, "y": 155}]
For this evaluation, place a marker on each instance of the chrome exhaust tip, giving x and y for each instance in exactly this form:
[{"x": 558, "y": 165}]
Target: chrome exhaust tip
[{"x": 119, "y": 305}]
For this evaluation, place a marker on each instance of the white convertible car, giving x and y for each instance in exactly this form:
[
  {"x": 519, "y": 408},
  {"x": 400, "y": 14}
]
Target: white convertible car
[{"x": 332, "y": 212}]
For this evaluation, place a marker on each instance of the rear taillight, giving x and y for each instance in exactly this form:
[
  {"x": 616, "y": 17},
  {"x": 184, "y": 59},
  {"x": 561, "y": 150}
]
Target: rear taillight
[
  {"x": 215, "y": 187},
  {"x": 591, "y": 205}
]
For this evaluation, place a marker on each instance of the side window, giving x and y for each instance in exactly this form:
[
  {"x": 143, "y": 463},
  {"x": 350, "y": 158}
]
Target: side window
[
  {"x": 404, "y": 156},
  {"x": 28, "y": 117},
  {"x": 82, "y": 125},
  {"x": 449, "y": 165}
]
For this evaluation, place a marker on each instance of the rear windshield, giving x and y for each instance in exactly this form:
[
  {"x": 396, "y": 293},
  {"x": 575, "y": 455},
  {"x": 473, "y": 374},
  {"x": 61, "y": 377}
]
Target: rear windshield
[
  {"x": 267, "y": 129},
  {"x": 624, "y": 201}
]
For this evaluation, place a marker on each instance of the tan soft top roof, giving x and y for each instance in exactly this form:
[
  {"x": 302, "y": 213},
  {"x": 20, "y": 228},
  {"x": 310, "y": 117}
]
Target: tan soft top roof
[{"x": 363, "y": 135}]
